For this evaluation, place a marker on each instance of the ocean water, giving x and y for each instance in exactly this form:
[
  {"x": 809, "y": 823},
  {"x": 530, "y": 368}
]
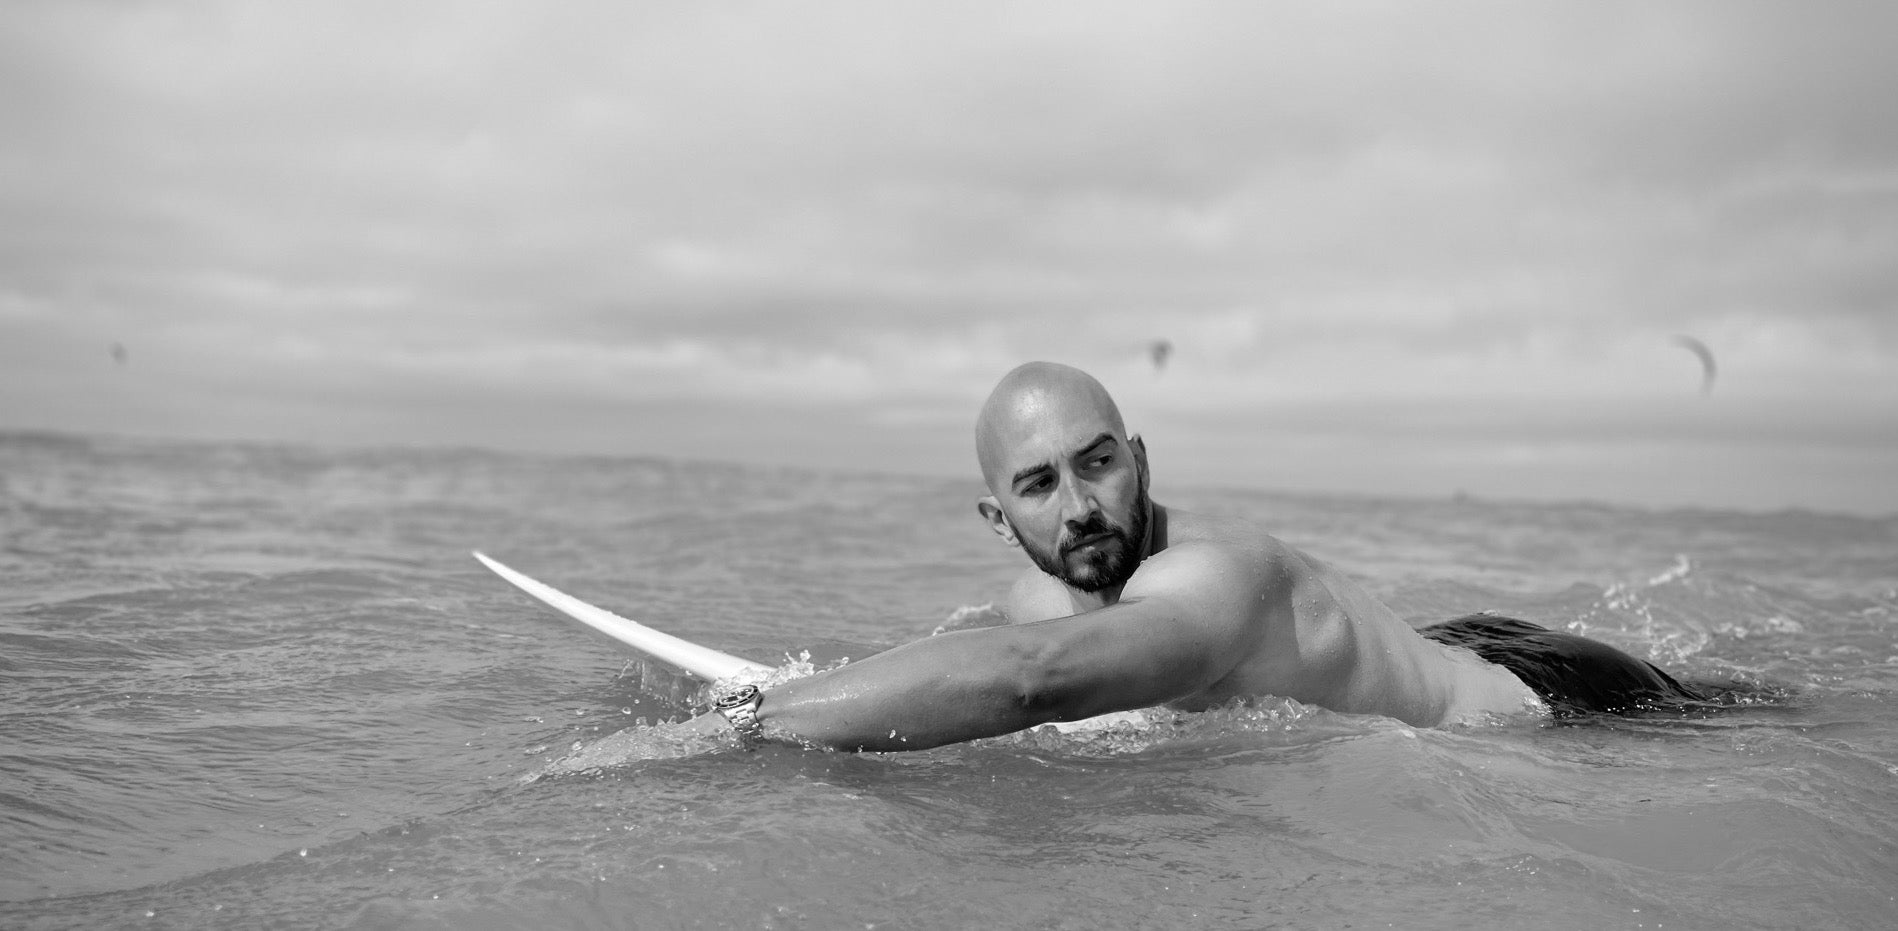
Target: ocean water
[{"x": 255, "y": 686}]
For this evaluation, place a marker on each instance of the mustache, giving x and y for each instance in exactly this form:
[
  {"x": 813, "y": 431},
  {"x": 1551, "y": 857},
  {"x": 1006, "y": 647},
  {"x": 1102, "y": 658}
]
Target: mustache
[{"x": 1095, "y": 524}]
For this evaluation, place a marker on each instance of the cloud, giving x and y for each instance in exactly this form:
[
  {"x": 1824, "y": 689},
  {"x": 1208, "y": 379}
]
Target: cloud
[{"x": 841, "y": 204}]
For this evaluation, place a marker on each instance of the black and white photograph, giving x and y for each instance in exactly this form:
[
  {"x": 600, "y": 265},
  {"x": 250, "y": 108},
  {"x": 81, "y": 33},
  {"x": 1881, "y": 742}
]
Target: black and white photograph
[{"x": 858, "y": 465}]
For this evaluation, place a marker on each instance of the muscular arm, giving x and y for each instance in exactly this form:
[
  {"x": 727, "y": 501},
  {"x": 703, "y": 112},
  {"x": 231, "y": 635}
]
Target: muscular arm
[{"x": 1165, "y": 641}]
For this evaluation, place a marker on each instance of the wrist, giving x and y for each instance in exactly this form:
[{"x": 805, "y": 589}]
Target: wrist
[{"x": 739, "y": 707}]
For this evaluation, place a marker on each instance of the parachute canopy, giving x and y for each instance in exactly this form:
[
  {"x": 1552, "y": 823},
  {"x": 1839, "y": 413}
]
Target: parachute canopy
[{"x": 1707, "y": 367}]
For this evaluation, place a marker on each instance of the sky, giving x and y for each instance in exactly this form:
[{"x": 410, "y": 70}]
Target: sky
[{"x": 1396, "y": 248}]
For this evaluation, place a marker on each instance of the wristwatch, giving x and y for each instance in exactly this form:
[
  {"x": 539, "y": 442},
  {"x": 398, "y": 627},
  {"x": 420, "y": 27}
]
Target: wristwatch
[{"x": 740, "y": 706}]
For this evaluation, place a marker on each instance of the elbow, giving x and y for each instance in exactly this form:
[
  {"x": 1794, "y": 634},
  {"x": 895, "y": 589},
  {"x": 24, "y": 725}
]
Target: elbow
[
  {"x": 1036, "y": 702},
  {"x": 1042, "y": 688}
]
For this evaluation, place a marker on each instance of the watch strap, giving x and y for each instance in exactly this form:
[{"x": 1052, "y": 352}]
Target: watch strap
[{"x": 740, "y": 707}]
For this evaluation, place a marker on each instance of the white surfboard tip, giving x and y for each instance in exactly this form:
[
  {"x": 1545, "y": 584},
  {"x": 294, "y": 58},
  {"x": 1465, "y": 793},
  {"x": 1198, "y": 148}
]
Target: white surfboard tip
[{"x": 702, "y": 661}]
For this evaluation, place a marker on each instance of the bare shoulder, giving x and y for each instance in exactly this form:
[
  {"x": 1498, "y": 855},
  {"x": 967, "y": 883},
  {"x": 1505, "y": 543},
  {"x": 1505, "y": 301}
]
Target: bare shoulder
[
  {"x": 1037, "y": 596},
  {"x": 1216, "y": 558}
]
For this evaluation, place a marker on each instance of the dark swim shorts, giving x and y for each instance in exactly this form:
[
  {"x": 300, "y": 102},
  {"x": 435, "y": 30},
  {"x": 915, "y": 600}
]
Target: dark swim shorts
[{"x": 1575, "y": 675}]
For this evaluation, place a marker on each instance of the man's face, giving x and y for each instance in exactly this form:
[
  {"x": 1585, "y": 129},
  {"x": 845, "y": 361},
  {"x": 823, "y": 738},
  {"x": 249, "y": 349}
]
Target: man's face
[{"x": 1082, "y": 514}]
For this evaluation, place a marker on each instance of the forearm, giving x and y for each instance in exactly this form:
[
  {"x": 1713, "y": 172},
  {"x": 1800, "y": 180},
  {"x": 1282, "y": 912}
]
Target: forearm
[{"x": 941, "y": 690}]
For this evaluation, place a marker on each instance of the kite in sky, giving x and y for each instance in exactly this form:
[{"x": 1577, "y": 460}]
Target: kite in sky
[
  {"x": 1158, "y": 351},
  {"x": 1707, "y": 367}
]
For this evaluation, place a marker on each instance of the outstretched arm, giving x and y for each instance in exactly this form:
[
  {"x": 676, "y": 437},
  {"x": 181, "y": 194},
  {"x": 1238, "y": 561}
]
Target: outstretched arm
[{"x": 962, "y": 685}]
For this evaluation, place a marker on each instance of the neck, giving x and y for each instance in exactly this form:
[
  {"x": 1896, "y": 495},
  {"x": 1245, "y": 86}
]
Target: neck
[{"x": 1156, "y": 531}]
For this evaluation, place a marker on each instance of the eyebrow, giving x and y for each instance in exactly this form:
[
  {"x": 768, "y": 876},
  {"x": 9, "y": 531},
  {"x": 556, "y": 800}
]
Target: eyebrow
[{"x": 1039, "y": 466}]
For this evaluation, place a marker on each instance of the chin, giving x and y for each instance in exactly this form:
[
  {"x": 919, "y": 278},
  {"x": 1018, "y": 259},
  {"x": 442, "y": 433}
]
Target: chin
[{"x": 1092, "y": 575}]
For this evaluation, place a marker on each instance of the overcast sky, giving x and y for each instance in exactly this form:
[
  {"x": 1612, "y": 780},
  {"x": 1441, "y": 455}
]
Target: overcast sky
[{"x": 1397, "y": 248}]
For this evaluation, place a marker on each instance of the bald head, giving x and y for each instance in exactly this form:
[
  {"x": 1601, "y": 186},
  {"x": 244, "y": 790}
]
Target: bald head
[{"x": 1032, "y": 406}]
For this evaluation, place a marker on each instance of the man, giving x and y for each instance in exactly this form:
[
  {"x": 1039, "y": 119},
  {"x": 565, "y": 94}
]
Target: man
[{"x": 1132, "y": 604}]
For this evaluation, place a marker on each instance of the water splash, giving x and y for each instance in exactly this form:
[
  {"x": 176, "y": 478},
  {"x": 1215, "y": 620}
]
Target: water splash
[
  {"x": 968, "y": 617},
  {"x": 1682, "y": 566},
  {"x": 794, "y": 667},
  {"x": 1669, "y": 639},
  {"x": 663, "y": 740},
  {"x": 1148, "y": 728}
]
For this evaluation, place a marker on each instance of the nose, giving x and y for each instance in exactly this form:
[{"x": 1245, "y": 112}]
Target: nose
[{"x": 1077, "y": 501}]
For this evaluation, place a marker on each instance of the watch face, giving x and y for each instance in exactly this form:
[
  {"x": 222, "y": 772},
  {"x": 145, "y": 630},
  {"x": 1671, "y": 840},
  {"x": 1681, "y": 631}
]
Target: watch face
[{"x": 742, "y": 696}]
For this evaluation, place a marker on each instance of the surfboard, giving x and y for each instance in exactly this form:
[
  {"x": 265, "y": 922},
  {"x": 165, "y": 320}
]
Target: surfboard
[{"x": 701, "y": 661}]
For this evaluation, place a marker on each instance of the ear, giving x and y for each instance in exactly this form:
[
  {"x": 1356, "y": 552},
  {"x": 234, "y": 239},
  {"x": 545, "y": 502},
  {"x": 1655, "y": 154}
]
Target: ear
[
  {"x": 991, "y": 511},
  {"x": 1140, "y": 458}
]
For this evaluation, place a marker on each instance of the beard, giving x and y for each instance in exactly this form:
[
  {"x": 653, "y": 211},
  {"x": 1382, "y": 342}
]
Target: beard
[{"x": 1109, "y": 562}]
